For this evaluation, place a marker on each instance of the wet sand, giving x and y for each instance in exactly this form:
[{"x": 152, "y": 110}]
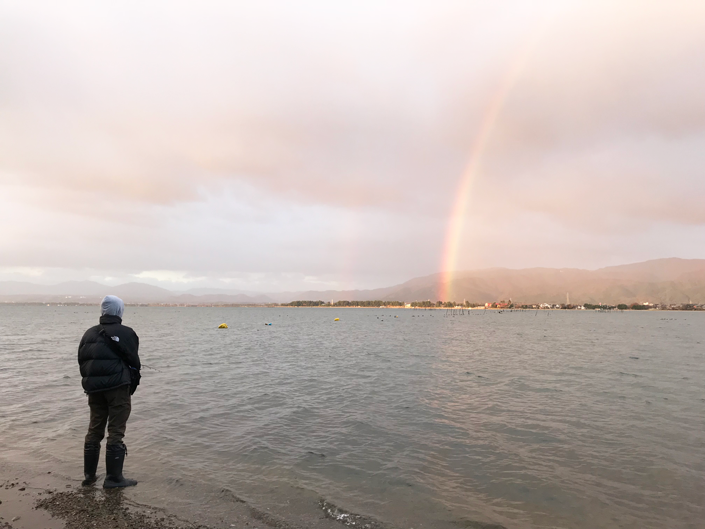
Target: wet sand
[
  {"x": 32, "y": 498},
  {"x": 19, "y": 492}
]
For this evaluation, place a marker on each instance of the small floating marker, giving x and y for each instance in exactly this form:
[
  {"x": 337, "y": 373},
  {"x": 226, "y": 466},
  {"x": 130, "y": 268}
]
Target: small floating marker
[
  {"x": 337, "y": 319},
  {"x": 223, "y": 326}
]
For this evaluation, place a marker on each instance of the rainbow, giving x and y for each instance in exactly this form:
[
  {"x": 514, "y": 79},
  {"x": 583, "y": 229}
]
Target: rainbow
[{"x": 456, "y": 221}]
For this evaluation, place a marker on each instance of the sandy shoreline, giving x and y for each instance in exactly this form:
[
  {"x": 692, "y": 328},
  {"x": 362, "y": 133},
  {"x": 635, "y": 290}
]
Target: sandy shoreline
[
  {"x": 36, "y": 498},
  {"x": 32, "y": 498}
]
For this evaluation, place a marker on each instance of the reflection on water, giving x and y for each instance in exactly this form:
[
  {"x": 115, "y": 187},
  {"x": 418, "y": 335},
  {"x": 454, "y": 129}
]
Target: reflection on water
[{"x": 575, "y": 420}]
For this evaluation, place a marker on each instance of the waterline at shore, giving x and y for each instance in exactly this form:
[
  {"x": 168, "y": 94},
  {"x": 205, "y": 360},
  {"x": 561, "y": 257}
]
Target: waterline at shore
[{"x": 32, "y": 498}]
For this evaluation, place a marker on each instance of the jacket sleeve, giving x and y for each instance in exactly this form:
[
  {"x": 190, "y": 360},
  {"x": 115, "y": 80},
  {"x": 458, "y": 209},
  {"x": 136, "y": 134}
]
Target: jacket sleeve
[
  {"x": 133, "y": 356},
  {"x": 80, "y": 344}
]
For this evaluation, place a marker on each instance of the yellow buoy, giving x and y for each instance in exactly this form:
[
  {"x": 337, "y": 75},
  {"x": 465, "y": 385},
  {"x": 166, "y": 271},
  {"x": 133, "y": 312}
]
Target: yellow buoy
[
  {"x": 223, "y": 326},
  {"x": 337, "y": 319}
]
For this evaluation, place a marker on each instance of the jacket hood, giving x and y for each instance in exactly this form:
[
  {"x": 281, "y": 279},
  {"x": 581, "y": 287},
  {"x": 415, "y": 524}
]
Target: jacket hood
[{"x": 112, "y": 306}]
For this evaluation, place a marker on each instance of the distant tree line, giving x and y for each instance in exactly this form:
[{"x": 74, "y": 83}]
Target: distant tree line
[
  {"x": 344, "y": 303},
  {"x": 373, "y": 303},
  {"x": 423, "y": 304},
  {"x": 443, "y": 304}
]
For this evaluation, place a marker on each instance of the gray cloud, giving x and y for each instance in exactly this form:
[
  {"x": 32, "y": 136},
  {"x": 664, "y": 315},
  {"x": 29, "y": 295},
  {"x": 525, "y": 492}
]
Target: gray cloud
[{"x": 328, "y": 140}]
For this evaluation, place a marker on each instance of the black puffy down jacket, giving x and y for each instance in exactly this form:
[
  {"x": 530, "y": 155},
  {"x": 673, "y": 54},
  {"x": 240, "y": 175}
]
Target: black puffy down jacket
[{"x": 101, "y": 368}]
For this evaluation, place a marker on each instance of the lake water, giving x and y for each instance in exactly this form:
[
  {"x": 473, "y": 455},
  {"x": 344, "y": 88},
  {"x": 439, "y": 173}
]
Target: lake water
[{"x": 550, "y": 419}]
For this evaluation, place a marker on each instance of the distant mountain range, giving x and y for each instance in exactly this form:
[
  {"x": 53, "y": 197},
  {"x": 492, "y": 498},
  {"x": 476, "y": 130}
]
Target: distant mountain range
[
  {"x": 658, "y": 281},
  {"x": 92, "y": 292}
]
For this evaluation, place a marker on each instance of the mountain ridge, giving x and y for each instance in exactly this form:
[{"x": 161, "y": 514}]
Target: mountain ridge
[{"x": 669, "y": 280}]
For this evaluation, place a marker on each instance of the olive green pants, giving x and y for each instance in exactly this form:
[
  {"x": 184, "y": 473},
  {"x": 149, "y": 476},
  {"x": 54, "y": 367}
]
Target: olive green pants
[{"x": 110, "y": 407}]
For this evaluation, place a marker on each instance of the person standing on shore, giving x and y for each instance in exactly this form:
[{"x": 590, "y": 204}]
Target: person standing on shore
[{"x": 109, "y": 365}]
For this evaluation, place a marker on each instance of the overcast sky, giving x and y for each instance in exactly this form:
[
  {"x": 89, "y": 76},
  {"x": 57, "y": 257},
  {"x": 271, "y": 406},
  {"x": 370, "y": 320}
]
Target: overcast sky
[{"x": 312, "y": 145}]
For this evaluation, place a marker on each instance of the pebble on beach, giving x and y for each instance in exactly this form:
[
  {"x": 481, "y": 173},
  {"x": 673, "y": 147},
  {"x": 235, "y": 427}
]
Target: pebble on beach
[{"x": 98, "y": 509}]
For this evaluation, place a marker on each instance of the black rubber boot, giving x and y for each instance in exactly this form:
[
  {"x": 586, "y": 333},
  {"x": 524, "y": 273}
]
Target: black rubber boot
[
  {"x": 114, "y": 459},
  {"x": 91, "y": 458}
]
